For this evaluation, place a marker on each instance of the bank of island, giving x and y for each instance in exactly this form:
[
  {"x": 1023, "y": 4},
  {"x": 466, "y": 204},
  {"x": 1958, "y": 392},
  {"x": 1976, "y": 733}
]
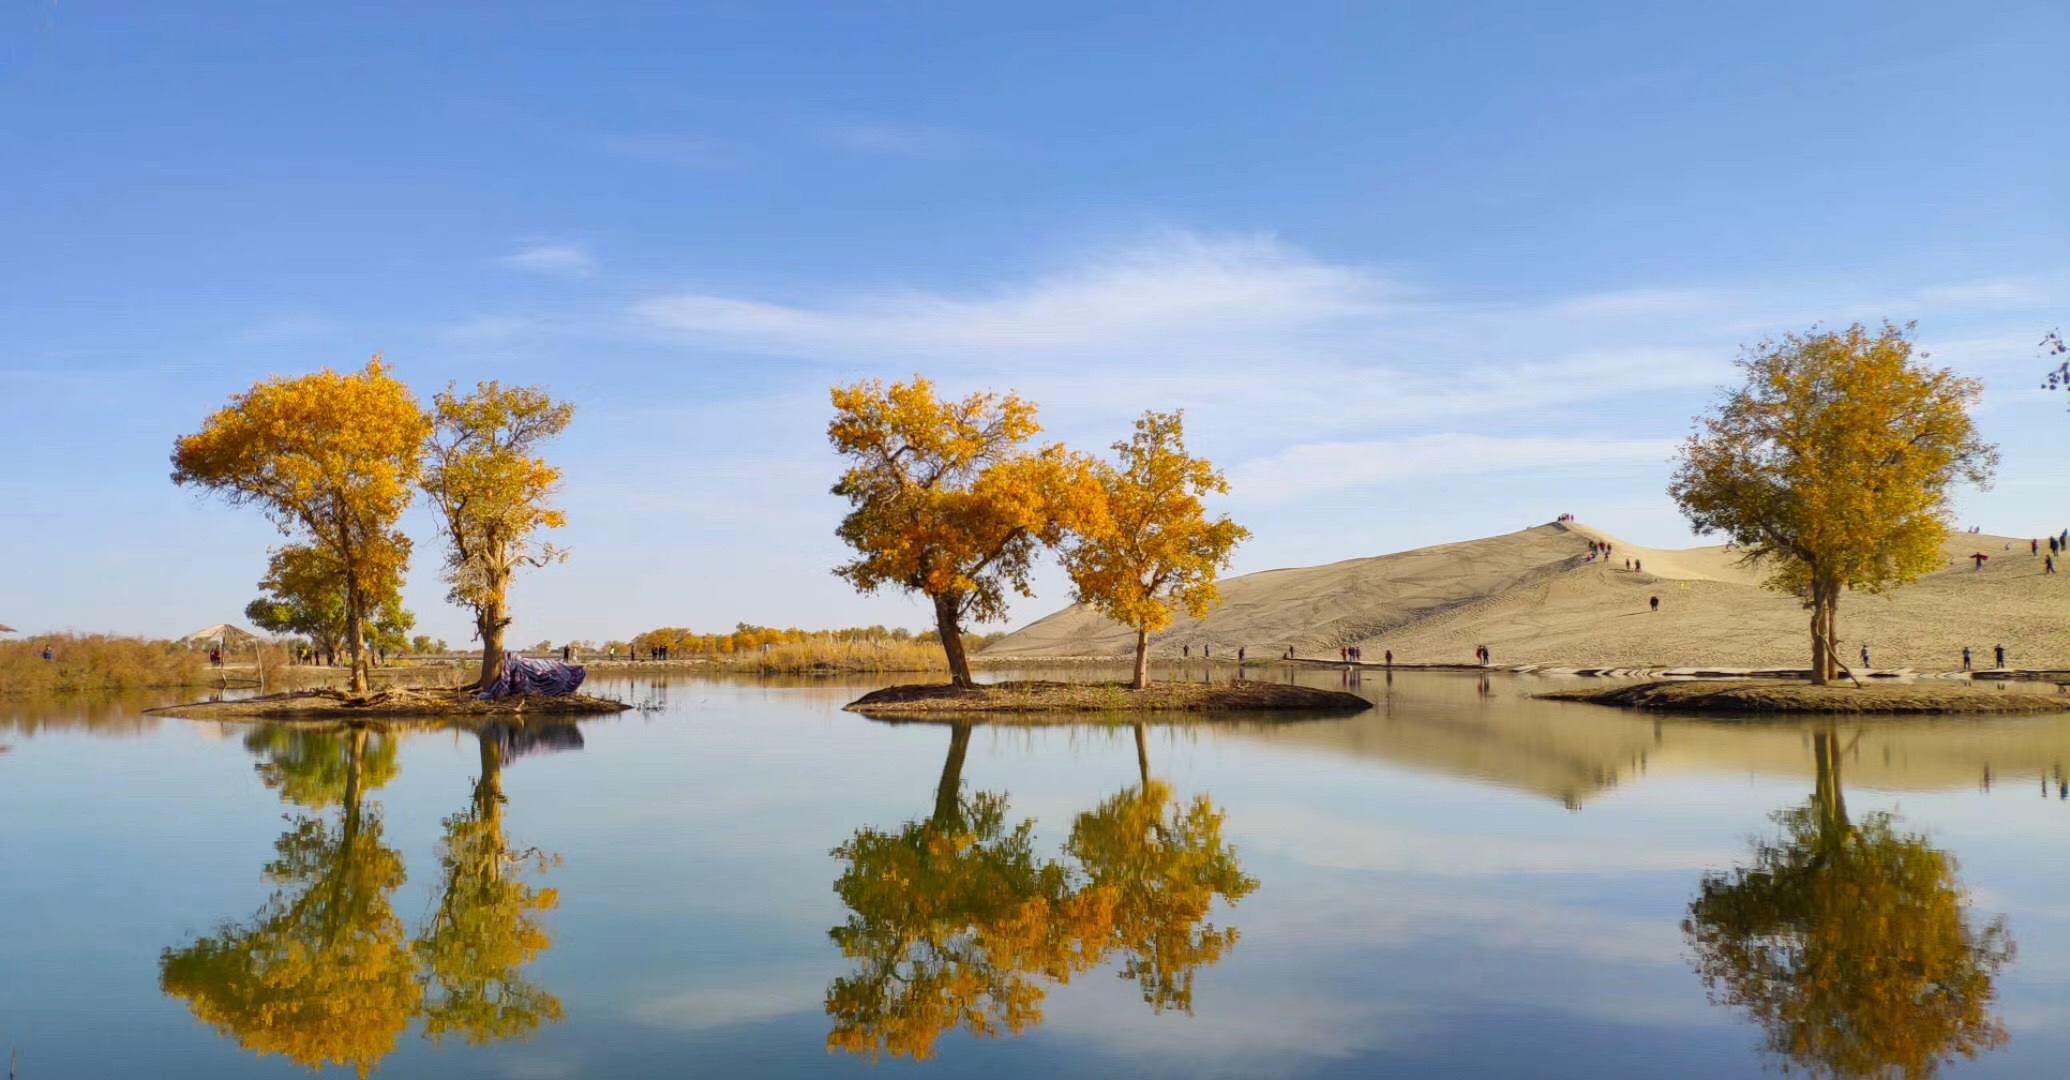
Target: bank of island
[
  {"x": 1736, "y": 698},
  {"x": 1072, "y": 701},
  {"x": 397, "y": 703}
]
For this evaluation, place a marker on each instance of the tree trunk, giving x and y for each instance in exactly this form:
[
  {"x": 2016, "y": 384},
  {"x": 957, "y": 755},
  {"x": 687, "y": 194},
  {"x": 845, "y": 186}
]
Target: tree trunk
[
  {"x": 1834, "y": 664},
  {"x": 947, "y": 793},
  {"x": 354, "y": 623},
  {"x": 1830, "y": 803},
  {"x": 948, "y": 622},
  {"x": 1142, "y": 659},
  {"x": 489, "y": 623},
  {"x": 1818, "y": 634},
  {"x": 353, "y": 772},
  {"x": 488, "y": 794},
  {"x": 1143, "y": 757}
]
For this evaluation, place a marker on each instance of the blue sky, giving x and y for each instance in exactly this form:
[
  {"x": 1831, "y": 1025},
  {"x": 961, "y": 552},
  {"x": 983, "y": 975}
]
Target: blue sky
[{"x": 1417, "y": 273}]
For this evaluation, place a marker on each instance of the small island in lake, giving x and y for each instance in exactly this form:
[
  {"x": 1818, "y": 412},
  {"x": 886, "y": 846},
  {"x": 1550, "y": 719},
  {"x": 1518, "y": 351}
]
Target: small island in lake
[
  {"x": 397, "y": 703},
  {"x": 1065, "y": 697},
  {"x": 1803, "y": 697}
]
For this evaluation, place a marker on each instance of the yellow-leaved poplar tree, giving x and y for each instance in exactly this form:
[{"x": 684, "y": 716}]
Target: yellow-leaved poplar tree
[
  {"x": 1832, "y": 467},
  {"x": 948, "y": 499},
  {"x": 491, "y": 490},
  {"x": 305, "y": 595},
  {"x": 1144, "y": 547},
  {"x": 333, "y": 457}
]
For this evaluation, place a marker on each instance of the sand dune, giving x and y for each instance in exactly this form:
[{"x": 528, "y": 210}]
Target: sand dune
[{"x": 1533, "y": 597}]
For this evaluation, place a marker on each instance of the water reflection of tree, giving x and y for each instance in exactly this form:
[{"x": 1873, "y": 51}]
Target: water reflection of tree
[
  {"x": 313, "y": 768},
  {"x": 324, "y": 972},
  {"x": 321, "y": 973},
  {"x": 1165, "y": 865},
  {"x": 1849, "y": 943},
  {"x": 484, "y": 928},
  {"x": 956, "y": 921}
]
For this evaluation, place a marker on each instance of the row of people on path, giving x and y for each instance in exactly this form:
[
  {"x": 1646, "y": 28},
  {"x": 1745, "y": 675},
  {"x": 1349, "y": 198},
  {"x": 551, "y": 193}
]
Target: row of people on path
[{"x": 1997, "y": 657}]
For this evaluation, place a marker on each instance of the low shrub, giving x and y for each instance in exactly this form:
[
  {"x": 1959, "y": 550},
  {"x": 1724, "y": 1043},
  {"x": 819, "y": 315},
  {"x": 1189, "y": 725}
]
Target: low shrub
[{"x": 97, "y": 662}]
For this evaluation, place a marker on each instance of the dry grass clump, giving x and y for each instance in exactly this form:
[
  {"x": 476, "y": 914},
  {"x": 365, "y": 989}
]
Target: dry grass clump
[
  {"x": 1061, "y": 697},
  {"x": 841, "y": 656},
  {"x": 1800, "y": 697},
  {"x": 83, "y": 662}
]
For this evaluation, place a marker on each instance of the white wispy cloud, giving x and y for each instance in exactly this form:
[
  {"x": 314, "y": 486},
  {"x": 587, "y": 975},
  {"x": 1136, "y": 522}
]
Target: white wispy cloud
[
  {"x": 1307, "y": 375},
  {"x": 1313, "y": 468},
  {"x": 895, "y": 140},
  {"x": 571, "y": 260},
  {"x": 1151, "y": 300}
]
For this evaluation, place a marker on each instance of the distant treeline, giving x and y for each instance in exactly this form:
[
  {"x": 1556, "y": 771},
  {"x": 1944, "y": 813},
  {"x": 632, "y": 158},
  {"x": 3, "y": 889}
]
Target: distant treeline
[{"x": 681, "y": 641}]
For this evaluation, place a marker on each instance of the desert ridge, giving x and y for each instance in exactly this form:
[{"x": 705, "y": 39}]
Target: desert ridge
[{"x": 1535, "y": 597}]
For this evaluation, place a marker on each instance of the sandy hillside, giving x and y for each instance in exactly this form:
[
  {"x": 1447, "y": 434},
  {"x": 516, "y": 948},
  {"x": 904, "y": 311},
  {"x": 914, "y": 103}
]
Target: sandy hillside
[{"x": 1533, "y": 597}]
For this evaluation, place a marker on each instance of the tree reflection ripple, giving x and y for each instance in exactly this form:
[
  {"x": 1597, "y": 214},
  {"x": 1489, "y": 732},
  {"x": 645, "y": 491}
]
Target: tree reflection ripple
[
  {"x": 956, "y": 921},
  {"x": 325, "y": 973},
  {"x": 1850, "y": 944}
]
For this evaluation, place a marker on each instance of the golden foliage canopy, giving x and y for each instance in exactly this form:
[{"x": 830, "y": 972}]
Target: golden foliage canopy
[
  {"x": 947, "y": 501},
  {"x": 1144, "y": 547},
  {"x": 492, "y": 489},
  {"x": 332, "y": 455},
  {"x": 304, "y": 594},
  {"x": 1834, "y": 460}
]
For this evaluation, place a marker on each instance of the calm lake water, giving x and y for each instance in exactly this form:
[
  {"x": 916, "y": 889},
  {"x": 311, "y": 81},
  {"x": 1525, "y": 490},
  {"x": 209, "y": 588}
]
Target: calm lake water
[{"x": 742, "y": 880}]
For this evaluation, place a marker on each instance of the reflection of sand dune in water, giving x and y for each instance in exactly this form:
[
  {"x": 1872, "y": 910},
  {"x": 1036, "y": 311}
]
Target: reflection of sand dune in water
[
  {"x": 1534, "y": 598},
  {"x": 1573, "y": 752}
]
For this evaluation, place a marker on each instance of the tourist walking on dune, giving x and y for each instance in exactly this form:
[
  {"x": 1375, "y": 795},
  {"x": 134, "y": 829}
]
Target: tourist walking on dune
[
  {"x": 1865, "y": 655},
  {"x": 1654, "y": 601},
  {"x": 1965, "y": 658},
  {"x": 1998, "y": 657}
]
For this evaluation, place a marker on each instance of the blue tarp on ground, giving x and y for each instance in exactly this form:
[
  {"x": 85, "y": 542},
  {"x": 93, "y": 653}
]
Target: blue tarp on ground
[{"x": 526, "y": 676}]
